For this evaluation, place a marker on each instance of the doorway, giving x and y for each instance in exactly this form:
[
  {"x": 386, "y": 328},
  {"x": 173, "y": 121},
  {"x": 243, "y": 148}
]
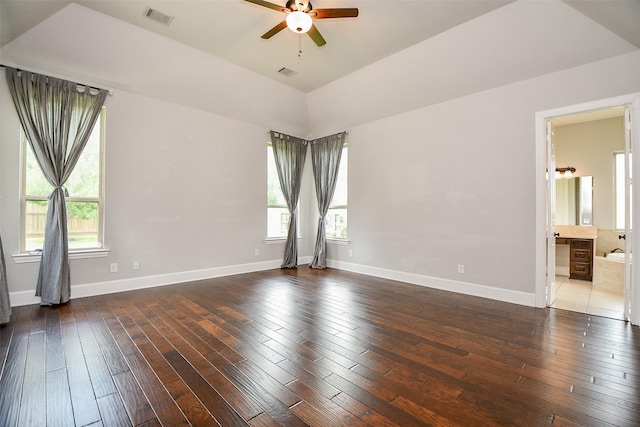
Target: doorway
[
  {"x": 586, "y": 146},
  {"x": 547, "y": 283}
]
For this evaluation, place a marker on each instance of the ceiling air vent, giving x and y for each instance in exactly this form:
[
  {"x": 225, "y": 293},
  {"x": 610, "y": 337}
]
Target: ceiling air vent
[
  {"x": 158, "y": 16},
  {"x": 287, "y": 72}
]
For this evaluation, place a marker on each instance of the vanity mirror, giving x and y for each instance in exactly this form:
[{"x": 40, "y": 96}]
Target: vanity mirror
[{"x": 574, "y": 201}]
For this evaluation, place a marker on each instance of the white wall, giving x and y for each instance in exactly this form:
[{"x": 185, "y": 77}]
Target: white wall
[{"x": 454, "y": 183}]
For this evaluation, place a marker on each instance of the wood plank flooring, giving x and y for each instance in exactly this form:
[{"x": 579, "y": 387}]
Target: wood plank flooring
[{"x": 313, "y": 347}]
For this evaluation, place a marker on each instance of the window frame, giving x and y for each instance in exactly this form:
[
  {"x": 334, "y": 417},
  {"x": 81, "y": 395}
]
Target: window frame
[
  {"x": 335, "y": 239},
  {"x": 278, "y": 238},
  {"x": 81, "y": 252}
]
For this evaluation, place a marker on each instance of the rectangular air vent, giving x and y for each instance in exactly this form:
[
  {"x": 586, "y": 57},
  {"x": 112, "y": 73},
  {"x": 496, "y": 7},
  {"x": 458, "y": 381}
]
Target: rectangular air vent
[
  {"x": 287, "y": 72},
  {"x": 158, "y": 16}
]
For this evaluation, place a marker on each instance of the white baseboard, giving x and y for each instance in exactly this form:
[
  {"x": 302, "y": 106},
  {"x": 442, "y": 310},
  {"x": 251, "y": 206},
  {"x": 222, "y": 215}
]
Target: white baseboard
[
  {"x": 473, "y": 289},
  {"x": 101, "y": 288}
]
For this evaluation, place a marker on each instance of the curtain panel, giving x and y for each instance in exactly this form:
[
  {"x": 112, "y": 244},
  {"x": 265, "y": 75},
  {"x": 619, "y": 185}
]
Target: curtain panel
[
  {"x": 57, "y": 117},
  {"x": 290, "y": 153},
  {"x": 5, "y": 304},
  {"x": 325, "y": 155}
]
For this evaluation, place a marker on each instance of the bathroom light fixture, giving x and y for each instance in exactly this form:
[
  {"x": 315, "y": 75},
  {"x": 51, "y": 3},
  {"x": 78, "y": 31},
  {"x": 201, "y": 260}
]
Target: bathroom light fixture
[{"x": 565, "y": 172}]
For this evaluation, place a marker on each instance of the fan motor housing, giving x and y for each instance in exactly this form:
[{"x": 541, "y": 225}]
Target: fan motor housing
[{"x": 292, "y": 6}]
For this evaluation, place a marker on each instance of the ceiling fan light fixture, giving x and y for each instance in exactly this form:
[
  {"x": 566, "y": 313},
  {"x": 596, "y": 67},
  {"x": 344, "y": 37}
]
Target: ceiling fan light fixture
[{"x": 299, "y": 22}]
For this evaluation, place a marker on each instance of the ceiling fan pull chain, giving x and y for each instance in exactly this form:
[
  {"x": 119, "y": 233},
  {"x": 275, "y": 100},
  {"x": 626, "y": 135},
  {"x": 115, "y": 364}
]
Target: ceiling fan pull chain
[{"x": 299, "y": 46}]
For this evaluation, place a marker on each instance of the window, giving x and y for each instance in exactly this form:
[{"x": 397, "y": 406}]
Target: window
[
  {"x": 620, "y": 190},
  {"x": 277, "y": 211},
  {"x": 85, "y": 207},
  {"x": 337, "y": 214},
  {"x": 278, "y": 214}
]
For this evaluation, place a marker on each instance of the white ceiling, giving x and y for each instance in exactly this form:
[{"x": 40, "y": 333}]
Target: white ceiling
[{"x": 231, "y": 29}]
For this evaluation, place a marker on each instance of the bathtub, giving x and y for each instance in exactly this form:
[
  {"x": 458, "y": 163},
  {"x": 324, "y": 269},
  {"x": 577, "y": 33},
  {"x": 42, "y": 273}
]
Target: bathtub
[
  {"x": 608, "y": 272},
  {"x": 617, "y": 257}
]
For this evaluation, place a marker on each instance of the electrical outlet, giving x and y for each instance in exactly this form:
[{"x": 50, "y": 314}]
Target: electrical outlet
[
  {"x": 136, "y": 265},
  {"x": 113, "y": 267},
  {"x": 256, "y": 252},
  {"x": 350, "y": 252},
  {"x": 460, "y": 268}
]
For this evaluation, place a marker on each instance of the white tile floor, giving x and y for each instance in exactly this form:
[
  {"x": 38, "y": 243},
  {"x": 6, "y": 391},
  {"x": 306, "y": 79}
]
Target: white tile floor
[{"x": 581, "y": 296}]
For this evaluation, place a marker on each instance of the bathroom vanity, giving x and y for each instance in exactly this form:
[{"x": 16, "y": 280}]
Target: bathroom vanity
[{"x": 580, "y": 257}]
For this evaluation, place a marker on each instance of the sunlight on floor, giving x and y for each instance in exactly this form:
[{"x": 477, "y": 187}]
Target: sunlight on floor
[{"x": 581, "y": 296}]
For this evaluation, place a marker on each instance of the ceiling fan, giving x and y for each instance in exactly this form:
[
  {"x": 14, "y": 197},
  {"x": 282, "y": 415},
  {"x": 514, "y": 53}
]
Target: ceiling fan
[{"x": 299, "y": 18}]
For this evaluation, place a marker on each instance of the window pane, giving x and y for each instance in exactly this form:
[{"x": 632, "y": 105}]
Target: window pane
[
  {"x": 34, "y": 221},
  {"x": 340, "y": 195},
  {"x": 36, "y": 184},
  {"x": 84, "y": 224},
  {"x": 277, "y": 212},
  {"x": 277, "y": 222},
  {"x": 337, "y": 214},
  {"x": 82, "y": 219},
  {"x": 337, "y": 223},
  {"x": 85, "y": 178},
  {"x": 274, "y": 191}
]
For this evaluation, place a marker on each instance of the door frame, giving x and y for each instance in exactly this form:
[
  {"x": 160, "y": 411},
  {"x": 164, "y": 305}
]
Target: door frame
[
  {"x": 633, "y": 100},
  {"x": 550, "y": 200}
]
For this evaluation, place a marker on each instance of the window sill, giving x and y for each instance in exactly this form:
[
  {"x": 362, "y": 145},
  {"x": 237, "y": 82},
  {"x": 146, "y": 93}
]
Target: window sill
[
  {"x": 79, "y": 254},
  {"x": 276, "y": 240},
  {"x": 343, "y": 242}
]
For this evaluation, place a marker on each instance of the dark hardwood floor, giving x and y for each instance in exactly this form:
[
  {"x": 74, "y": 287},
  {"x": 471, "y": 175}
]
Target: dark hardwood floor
[{"x": 308, "y": 347}]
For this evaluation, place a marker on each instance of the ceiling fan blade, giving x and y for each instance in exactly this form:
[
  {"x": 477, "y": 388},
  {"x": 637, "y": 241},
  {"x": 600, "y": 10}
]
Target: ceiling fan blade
[
  {"x": 349, "y": 12},
  {"x": 316, "y": 36},
  {"x": 275, "y": 30},
  {"x": 269, "y": 5}
]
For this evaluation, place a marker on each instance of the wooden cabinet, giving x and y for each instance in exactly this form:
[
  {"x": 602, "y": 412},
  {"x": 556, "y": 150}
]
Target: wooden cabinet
[{"x": 580, "y": 257}]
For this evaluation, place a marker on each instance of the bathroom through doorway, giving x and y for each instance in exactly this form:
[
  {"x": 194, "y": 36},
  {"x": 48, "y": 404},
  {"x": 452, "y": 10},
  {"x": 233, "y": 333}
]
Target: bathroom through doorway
[{"x": 586, "y": 140}]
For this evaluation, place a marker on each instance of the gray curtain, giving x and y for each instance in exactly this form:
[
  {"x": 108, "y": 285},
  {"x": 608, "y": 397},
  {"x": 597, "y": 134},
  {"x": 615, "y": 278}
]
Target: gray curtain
[
  {"x": 290, "y": 153},
  {"x": 325, "y": 155},
  {"x": 57, "y": 119},
  {"x": 5, "y": 304}
]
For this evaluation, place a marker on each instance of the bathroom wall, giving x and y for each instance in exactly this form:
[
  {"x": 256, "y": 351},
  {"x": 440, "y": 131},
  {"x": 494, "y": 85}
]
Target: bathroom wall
[
  {"x": 589, "y": 147},
  {"x": 608, "y": 240}
]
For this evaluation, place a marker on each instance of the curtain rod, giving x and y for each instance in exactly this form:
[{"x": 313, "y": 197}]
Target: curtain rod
[
  {"x": 91, "y": 86},
  {"x": 269, "y": 133}
]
